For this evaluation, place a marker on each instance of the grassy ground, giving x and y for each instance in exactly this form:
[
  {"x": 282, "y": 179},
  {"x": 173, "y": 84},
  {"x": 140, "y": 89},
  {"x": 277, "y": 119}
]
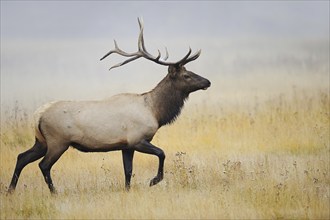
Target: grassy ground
[{"x": 266, "y": 159}]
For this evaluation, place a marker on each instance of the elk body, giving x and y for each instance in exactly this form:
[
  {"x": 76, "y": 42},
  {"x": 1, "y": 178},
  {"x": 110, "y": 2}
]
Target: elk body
[{"x": 125, "y": 122}]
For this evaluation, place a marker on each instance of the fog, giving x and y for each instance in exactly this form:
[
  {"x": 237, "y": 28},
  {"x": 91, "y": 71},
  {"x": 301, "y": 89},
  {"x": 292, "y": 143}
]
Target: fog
[{"x": 51, "y": 50}]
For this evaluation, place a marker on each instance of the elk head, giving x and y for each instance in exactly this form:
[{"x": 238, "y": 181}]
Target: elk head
[{"x": 181, "y": 79}]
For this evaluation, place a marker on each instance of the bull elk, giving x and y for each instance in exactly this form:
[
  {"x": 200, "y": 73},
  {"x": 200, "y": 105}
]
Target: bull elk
[{"x": 125, "y": 122}]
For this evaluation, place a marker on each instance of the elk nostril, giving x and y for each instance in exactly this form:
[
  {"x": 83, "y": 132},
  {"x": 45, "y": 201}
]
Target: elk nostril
[{"x": 208, "y": 83}]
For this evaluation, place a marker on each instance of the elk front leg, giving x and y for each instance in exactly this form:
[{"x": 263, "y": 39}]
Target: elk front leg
[
  {"x": 128, "y": 166},
  {"x": 148, "y": 148}
]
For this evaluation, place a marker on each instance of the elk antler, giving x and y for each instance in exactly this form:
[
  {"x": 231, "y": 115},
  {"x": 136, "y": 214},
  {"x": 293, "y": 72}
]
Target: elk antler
[{"x": 142, "y": 52}]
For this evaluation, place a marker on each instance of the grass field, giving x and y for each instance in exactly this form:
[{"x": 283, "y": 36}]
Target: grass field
[{"x": 262, "y": 160}]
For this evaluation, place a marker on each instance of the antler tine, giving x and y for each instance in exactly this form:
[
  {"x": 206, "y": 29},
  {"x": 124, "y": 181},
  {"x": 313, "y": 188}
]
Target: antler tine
[
  {"x": 110, "y": 52},
  {"x": 124, "y": 62},
  {"x": 120, "y": 52},
  {"x": 140, "y": 20},
  {"x": 182, "y": 61},
  {"x": 193, "y": 57},
  {"x": 123, "y": 53},
  {"x": 159, "y": 55},
  {"x": 141, "y": 45},
  {"x": 166, "y": 56}
]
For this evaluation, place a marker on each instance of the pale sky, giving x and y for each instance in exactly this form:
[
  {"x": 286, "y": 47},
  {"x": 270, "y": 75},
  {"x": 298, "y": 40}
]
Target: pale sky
[
  {"x": 95, "y": 19},
  {"x": 51, "y": 49}
]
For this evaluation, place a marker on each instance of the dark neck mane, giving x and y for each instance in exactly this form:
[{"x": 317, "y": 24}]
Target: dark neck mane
[{"x": 166, "y": 101}]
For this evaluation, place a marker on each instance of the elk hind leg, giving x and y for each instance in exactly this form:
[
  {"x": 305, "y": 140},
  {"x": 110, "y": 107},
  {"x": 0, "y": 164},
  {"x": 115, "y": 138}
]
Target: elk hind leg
[
  {"x": 36, "y": 152},
  {"x": 54, "y": 152}
]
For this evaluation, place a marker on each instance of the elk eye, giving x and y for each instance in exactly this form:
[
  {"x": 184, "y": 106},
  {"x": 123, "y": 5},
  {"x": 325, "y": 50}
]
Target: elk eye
[{"x": 186, "y": 76}]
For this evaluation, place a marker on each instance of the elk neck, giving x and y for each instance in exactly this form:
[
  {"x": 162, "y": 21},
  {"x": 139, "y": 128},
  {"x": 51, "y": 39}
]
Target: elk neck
[{"x": 166, "y": 101}]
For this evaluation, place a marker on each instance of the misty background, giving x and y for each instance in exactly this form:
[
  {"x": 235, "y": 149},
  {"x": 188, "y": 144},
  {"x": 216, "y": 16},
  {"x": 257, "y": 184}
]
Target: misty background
[{"x": 50, "y": 50}]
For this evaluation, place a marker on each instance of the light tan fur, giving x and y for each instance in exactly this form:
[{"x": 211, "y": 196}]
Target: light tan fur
[{"x": 123, "y": 119}]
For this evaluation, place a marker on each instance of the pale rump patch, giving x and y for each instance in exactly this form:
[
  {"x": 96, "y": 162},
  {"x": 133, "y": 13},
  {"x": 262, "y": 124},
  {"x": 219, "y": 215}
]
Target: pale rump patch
[{"x": 37, "y": 115}]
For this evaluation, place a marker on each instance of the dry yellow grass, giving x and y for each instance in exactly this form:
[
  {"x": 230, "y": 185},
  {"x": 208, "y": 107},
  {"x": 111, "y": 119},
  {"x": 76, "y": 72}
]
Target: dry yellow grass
[{"x": 266, "y": 159}]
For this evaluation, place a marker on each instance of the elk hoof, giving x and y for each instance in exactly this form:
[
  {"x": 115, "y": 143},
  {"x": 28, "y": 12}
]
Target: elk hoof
[
  {"x": 10, "y": 191},
  {"x": 53, "y": 191},
  {"x": 127, "y": 188},
  {"x": 155, "y": 180}
]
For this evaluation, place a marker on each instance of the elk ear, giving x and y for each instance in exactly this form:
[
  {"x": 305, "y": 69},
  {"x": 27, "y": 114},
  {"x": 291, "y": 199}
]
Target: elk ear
[{"x": 173, "y": 70}]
